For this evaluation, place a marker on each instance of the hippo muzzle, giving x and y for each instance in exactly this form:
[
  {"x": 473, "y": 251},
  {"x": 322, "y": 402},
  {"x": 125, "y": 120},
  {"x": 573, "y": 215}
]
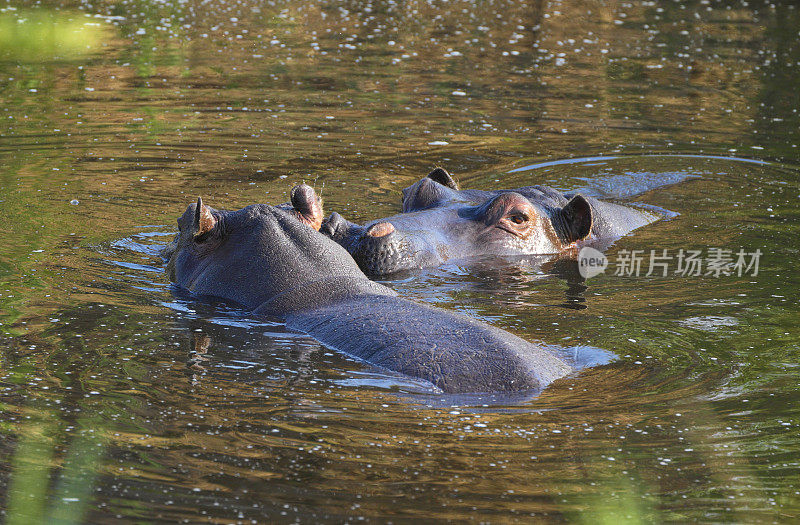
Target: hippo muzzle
[{"x": 380, "y": 249}]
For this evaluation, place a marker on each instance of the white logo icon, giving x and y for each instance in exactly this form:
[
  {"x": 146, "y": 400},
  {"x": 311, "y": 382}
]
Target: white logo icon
[{"x": 591, "y": 262}]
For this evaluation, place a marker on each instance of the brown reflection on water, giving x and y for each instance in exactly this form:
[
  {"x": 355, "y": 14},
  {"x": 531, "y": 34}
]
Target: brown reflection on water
[{"x": 542, "y": 80}]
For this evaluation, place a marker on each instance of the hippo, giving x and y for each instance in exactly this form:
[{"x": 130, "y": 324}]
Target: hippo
[
  {"x": 272, "y": 261},
  {"x": 440, "y": 222}
]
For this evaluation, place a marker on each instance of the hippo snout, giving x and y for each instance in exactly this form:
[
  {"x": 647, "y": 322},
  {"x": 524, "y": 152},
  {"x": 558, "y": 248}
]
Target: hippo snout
[
  {"x": 380, "y": 250},
  {"x": 335, "y": 227},
  {"x": 381, "y": 229}
]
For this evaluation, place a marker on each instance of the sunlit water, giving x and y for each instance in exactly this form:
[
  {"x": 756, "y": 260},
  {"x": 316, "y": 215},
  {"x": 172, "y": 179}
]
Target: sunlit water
[{"x": 137, "y": 402}]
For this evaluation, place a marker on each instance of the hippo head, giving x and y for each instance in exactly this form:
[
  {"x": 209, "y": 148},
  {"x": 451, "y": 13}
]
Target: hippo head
[
  {"x": 254, "y": 254},
  {"x": 444, "y": 223}
]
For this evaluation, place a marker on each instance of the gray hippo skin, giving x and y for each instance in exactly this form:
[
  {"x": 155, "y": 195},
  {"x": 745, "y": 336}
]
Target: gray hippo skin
[
  {"x": 441, "y": 222},
  {"x": 271, "y": 261}
]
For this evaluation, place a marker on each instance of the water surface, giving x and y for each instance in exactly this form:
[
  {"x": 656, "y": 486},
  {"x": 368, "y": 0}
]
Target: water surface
[{"x": 121, "y": 399}]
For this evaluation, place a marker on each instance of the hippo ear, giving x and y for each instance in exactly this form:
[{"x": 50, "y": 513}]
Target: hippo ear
[
  {"x": 575, "y": 220},
  {"x": 204, "y": 222},
  {"x": 307, "y": 206},
  {"x": 443, "y": 177}
]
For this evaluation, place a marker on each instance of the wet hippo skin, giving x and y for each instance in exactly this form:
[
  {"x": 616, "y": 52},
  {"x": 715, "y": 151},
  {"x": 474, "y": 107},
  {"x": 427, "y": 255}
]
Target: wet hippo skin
[
  {"x": 440, "y": 222},
  {"x": 272, "y": 261}
]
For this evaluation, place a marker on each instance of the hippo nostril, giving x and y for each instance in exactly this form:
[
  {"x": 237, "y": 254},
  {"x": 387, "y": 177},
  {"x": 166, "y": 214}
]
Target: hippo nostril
[
  {"x": 331, "y": 224},
  {"x": 382, "y": 229}
]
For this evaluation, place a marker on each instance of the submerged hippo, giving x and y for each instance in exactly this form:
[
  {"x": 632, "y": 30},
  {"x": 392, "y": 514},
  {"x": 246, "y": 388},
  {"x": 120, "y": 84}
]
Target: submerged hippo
[
  {"x": 441, "y": 222},
  {"x": 273, "y": 262}
]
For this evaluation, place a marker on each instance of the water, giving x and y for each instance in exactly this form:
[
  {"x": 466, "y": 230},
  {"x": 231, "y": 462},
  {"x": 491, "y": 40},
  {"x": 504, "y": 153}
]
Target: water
[{"x": 123, "y": 399}]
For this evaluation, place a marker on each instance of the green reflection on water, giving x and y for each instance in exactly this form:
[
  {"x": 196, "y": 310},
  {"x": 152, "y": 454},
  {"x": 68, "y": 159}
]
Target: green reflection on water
[
  {"x": 623, "y": 497},
  {"x": 40, "y": 35},
  {"x": 37, "y": 493}
]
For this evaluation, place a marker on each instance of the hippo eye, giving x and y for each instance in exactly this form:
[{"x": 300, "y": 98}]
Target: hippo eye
[{"x": 518, "y": 218}]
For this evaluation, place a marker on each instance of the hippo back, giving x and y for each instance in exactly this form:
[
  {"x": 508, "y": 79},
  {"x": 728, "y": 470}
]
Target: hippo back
[{"x": 453, "y": 352}]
